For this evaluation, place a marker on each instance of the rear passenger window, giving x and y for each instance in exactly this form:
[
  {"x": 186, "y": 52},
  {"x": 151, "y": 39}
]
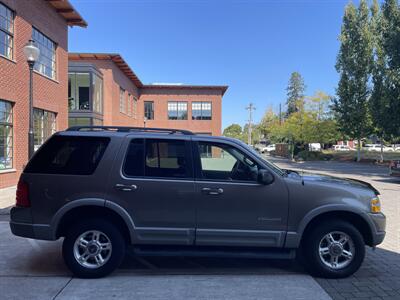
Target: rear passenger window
[
  {"x": 158, "y": 158},
  {"x": 73, "y": 155},
  {"x": 134, "y": 161}
]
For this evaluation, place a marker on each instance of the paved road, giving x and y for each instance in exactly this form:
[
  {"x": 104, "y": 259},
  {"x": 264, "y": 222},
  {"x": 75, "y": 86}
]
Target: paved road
[{"x": 35, "y": 268}]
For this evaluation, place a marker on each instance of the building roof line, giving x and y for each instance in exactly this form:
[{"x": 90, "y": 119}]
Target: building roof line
[
  {"x": 115, "y": 58},
  {"x": 126, "y": 69},
  {"x": 222, "y": 88},
  {"x": 65, "y": 9}
]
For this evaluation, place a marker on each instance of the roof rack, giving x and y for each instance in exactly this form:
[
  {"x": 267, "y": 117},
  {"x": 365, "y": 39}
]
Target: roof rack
[{"x": 128, "y": 129}]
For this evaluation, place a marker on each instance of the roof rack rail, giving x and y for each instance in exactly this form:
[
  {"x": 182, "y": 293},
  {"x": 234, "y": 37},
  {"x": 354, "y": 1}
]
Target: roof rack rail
[{"x": 128, "y": 129}]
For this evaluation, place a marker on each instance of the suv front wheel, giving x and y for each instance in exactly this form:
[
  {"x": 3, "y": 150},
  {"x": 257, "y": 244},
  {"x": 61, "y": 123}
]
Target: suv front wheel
[
  {"x": 334, "y": 249},
  {"x": 93, "y": 248}
]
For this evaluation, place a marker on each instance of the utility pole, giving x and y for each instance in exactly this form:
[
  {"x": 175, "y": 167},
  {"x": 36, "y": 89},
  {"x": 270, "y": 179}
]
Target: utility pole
[
  {"x": 250, "y": 108},
  {"x": 280, "y": 113}
]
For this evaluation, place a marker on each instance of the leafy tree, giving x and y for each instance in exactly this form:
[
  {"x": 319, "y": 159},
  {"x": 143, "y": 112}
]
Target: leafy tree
[
  {"x": 255, "y": 133},
  {"x": 295, "y": 93},
  {"x": 314, "y": 122},
  {"x": 233, "y": 131},
  {"x": 354, "y": 63},
  {"x": 385, "y": 96},
  {"x": 268, "y": 120}
]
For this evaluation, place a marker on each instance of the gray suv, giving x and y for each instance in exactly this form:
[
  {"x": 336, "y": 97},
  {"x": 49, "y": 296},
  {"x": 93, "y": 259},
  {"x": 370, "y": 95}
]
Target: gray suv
[{"x": 171, "y": 192}]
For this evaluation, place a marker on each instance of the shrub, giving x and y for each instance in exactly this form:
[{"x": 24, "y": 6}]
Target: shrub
[{"x": 313, "y": 155}]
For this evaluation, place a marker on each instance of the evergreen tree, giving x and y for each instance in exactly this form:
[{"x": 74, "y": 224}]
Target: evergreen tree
[
  {"x": 391, "y": 51},
  {"x": 354, "y": 63},
  {"x": 385, "y": 97},
  {"x": 295, "y": 93}
]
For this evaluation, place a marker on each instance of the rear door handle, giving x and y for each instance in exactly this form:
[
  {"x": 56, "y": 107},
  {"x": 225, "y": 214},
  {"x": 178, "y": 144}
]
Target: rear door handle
[
  {"x": 212, "y": 191},
  {"x": 125, "y": 187}
]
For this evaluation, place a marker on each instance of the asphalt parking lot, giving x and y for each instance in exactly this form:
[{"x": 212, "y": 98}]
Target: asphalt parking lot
[{"x": 35, "y": 268}]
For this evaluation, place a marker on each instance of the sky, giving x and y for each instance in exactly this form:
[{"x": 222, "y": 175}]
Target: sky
[{"x": 252, "y": 46}]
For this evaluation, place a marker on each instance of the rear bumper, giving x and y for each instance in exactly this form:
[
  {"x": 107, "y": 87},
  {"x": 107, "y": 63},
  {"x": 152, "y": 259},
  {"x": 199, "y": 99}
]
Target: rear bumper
[
  {"x": 32, "y": 231},
  {"x": 21, "y": 225}
]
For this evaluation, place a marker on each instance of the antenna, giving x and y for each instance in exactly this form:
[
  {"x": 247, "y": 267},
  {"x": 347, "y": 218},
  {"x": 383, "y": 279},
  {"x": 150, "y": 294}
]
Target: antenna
[{"x": 250, "y": 108}]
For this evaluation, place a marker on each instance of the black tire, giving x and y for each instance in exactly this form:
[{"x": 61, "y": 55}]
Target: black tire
[
  {"x": 116, "y": 256},
  {"x": 310, "y": 249}
]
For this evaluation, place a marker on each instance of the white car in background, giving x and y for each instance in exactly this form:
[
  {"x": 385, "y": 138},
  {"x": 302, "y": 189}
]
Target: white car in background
[
  {"x": 341, "y": 148},
  {"x": 377, "y": 148},
  {"x": 314, "y": 147},
  {"x": 268, "y": 148}
]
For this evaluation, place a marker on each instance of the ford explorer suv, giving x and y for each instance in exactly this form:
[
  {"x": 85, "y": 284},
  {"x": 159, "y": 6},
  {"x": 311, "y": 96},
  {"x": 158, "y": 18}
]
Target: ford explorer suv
[{"x": 172, "y": 192}]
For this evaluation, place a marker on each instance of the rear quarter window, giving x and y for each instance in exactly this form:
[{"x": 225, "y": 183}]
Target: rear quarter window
[{"x": 73, "y": 155}]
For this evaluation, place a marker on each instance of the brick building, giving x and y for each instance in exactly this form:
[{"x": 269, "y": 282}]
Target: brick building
[
  {"x": 103, "y": 90},
  {"x": 46, "y": 22}
]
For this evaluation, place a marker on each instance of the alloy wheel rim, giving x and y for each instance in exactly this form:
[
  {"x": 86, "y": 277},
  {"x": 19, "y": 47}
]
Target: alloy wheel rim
[
  {"x": 92, "y": 249},
  {"x": 336, "y": 250}
]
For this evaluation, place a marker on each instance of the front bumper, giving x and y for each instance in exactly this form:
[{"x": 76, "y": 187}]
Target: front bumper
[{"x": 378, "y": 232}]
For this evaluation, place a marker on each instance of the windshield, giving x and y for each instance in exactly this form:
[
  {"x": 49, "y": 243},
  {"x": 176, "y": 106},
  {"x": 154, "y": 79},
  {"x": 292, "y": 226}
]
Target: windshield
[{"x": 270, "y": 164}]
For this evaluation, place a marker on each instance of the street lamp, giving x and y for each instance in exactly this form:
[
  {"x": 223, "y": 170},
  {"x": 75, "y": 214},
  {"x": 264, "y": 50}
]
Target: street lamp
[{"x": 31, "y": 53}]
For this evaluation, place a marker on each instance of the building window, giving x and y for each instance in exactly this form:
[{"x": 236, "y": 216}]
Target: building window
[
  {"x": 177, "y": 110},
  {"x": 46, "y": 64},
  {"x": 6, "y": 135},
  {"x": 97, "y": 94},
  {"x": 85, "y": 92},
  {"x": 6, "y": 32},
  {"x": 122, "y": 102},
  {"x": 44, "y": 125},
  {"x": 134, "y": 108},
  {"x": 201, "y": 111},
  {"x": 129, "y": 105},
  {"x": 149, "y": 110},
  {"x": 79, "y": 91}
]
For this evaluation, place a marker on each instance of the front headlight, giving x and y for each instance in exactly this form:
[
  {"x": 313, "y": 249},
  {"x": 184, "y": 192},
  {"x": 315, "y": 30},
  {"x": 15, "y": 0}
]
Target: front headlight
[{"x": 375, "y": 205}]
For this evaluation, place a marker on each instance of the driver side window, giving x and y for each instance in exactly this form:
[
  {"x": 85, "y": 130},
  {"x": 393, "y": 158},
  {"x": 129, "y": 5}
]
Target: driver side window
[{"x": 226, "y": 163}]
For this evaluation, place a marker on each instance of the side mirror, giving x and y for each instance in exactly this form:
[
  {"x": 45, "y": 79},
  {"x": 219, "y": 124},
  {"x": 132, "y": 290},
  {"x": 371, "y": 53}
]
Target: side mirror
[{"x": 265, "y": 177}]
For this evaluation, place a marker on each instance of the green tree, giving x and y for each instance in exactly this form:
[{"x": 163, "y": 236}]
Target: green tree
[
  {"x": 233, "y": 131},
  {"x": 267, "y": 121},
  {"x": 354, "y": 63},
  {"x": 295, "y": 93},
  {"x": 378, "y": 102}
]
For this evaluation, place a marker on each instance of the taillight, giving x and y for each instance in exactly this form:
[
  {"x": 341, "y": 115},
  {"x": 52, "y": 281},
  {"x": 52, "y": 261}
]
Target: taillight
[{"x": 22, "y": 199}]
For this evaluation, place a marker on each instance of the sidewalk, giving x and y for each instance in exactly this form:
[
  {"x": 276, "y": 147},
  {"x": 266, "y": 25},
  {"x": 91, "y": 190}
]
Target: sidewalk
[
  {"x": 35, "y": 268},
  {"x": 7, "y": 199}
]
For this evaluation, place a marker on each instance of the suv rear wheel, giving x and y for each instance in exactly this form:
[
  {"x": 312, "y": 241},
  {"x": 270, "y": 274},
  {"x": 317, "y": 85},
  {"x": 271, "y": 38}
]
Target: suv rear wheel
[
  {"x": 93, "y": 248},
  {"x": 334, "y": 249}
]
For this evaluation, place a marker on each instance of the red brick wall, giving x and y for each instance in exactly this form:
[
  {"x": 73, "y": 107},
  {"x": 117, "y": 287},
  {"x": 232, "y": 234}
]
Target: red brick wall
[
  {"x": 161, "y": 98},
  {"x": 14, "y": 76},
  {"x": 114, "y": 78}
]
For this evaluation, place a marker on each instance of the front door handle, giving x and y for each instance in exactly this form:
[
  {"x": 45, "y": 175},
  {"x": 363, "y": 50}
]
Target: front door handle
[
  {"x": 212, "y": 191},
  {"x": 125, "y": 187}
]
